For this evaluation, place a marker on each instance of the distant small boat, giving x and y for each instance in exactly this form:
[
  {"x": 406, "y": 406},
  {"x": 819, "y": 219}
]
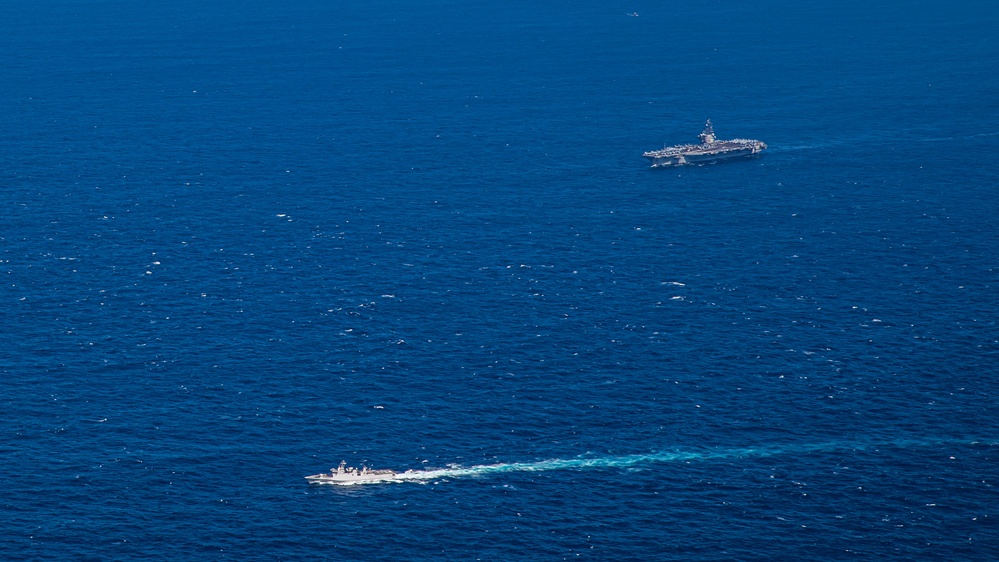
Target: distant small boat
[{"x": 633, "y": 14}]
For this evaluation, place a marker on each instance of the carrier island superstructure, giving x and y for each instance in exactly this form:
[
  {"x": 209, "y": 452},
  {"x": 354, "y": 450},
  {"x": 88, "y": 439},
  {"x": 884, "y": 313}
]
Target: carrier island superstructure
[{"x": 709, "y": 150}]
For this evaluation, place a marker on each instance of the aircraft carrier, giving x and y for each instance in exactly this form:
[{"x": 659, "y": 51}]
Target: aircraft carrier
[
  {"x": 709, "y": 150},
  {"x": 347, "y": 475}
]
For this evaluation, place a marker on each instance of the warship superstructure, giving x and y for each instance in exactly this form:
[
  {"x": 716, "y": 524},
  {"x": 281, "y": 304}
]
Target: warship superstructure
[
  {"x": 346, "y": 475},
  {"x": 709, "y": 150}
]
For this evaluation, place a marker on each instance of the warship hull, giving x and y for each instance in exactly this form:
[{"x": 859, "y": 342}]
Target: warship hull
[
  {"x": 683, "y": 159},
  {"x": 348, "y": 479}
]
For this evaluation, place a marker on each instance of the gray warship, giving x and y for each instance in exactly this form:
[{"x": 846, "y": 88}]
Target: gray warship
[
  {"x": 710, "y": 150},
  {"x": 347, "y": 475}
]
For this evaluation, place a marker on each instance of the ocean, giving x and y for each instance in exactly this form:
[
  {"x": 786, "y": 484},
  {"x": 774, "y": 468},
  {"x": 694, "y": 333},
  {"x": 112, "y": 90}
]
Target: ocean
[{"x": 244, "y": 241}]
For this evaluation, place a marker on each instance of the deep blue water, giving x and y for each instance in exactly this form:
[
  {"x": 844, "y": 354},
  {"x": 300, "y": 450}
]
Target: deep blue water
[{"x": 242, "y": 241}]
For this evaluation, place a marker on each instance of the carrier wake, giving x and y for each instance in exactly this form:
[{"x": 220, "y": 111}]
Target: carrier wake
[{"x": 346, "y": 476}]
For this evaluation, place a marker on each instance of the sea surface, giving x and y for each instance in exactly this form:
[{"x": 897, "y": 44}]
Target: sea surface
[{"x": 244, "y": 240}]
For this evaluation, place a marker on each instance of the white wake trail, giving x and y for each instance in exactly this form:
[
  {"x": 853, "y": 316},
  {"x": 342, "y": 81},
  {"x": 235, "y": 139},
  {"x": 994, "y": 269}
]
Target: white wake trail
[{"x": 650, "y": 459}]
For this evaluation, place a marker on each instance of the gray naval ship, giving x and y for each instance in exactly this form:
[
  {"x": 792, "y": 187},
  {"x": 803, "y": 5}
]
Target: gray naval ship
[
  {"x": 710, "y": 150},
  {"x": 346, "y": 475}
]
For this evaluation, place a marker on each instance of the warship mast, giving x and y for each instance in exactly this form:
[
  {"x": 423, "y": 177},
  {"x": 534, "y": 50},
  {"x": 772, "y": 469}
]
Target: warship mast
[{"x": 707, "y": 136}]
